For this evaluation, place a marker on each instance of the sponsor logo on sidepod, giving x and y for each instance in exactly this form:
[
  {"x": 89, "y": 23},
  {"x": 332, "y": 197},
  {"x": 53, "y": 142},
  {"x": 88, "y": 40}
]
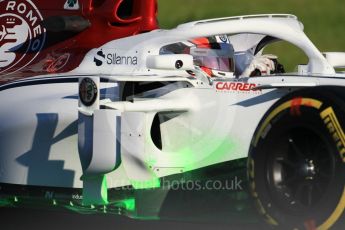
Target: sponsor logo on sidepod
[
  {"x": 235, "y": 86},
  {"x": 114, "y": 59}
]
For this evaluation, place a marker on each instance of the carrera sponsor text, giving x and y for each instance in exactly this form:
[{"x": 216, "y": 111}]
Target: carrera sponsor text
[{"x": 235, "y": 86}]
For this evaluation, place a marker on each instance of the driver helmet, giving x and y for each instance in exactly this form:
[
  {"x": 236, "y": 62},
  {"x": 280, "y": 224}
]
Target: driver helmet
[{"x": 214, "y": 55}]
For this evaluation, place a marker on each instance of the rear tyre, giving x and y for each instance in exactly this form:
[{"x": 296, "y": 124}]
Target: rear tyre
[{"x": 296, "y": 163}]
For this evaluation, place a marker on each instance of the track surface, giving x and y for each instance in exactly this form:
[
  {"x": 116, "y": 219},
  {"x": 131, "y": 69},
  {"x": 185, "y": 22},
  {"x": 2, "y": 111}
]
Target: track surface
[{"x": 33, "y": 219}]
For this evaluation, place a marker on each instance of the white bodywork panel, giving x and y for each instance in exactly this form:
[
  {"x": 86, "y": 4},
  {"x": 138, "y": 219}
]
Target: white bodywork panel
[
  {"x": 37, "y": 141},
  {"x": 202, "y": 121},
  {"x": 104, "y": 141},
  {"x": 40, "y": 132}
]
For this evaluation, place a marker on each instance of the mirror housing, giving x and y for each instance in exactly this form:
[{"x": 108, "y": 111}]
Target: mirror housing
[
  {"x": 335, "y": 59},
  {"x": 170, "y": 62}
]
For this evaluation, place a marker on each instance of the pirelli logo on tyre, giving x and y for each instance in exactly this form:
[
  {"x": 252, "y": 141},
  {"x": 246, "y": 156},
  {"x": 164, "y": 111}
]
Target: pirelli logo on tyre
[{"x": 333, "y": 126}]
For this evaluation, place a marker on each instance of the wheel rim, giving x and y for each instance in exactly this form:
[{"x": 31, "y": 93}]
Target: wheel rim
[{"x": 300, "y": 169}]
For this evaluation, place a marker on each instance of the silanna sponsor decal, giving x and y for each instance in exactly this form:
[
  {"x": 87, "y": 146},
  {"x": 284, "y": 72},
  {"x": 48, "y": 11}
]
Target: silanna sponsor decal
[
  {"x": 21, "y": 34},
  {"x": 236, "y": 87},
  {"x": 113, "y": 58}
]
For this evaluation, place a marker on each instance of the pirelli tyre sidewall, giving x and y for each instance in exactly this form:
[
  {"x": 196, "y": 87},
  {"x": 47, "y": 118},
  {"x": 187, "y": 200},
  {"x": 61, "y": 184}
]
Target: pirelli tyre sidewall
[{"x": 296, "y": 162}]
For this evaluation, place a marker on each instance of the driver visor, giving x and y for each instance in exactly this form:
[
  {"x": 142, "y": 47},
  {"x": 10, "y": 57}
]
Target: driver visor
[{"x": 224, "y": 64}]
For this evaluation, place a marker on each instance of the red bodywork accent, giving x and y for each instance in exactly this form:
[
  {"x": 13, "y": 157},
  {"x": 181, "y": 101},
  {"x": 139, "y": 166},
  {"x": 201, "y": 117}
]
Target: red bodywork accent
[{"x": 105, "y": 24}]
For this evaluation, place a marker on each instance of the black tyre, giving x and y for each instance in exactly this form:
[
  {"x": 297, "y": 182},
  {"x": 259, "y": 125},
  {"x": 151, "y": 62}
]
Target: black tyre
[{"x": 296, "y": 163}]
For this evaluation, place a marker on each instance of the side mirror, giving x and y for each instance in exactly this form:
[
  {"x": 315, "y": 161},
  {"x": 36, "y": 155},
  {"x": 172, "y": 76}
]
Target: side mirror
[
  {"x": 170, "y": 62},
  {"x": 335, "y": 59}
]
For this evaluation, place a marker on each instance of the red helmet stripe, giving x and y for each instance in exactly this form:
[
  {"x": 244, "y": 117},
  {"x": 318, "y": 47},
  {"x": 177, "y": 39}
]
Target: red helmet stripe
[{"x": 202, "y": 42}]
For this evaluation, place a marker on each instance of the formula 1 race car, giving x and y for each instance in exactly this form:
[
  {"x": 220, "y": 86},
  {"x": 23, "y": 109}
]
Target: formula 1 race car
[{"x": 116, "y": 130}]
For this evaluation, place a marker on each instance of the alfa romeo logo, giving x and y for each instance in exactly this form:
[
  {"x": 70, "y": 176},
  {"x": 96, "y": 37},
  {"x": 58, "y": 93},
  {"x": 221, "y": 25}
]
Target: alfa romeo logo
[
  {"x": 87, "y": 91},
  {"x": 21, "y": 34}
]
